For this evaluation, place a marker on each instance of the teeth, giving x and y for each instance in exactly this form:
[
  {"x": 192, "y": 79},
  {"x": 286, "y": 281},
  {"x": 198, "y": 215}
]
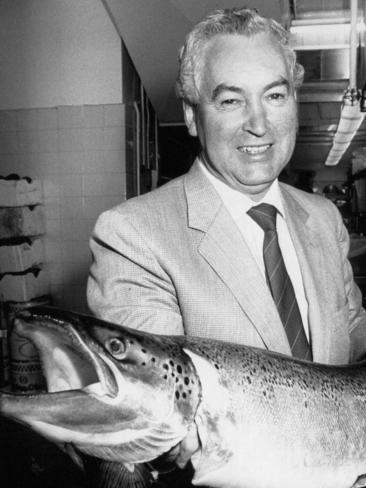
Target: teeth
[{"x": 254, "y": 149}]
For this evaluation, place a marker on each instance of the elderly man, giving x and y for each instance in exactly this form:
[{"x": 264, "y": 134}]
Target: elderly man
[{"x": 226, "y": 251}]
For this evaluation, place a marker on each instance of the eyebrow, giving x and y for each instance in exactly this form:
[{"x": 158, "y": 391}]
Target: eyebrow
[{"x": 235, "y": 89}]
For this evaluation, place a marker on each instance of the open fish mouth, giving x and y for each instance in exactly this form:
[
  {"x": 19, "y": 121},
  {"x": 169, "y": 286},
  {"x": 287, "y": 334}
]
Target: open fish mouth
[
  {"x": 70, "y": 359},
  {"x": 110, "y": 391}
]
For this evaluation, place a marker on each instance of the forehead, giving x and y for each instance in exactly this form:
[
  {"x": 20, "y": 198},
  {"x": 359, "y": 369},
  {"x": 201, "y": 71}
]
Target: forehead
[{"x": 240, "y": 59}]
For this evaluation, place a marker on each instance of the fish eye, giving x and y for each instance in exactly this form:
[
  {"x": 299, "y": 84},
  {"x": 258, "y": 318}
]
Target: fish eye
[{"x": 116, "y": 347}]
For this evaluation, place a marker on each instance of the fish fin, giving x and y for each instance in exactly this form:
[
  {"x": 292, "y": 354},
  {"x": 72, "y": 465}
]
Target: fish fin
[
  {"x": 72, "y": 452},
  {"x": 215, "y": 425},
  {"x": 129, "y": 466},
  {"x": 360, "y": 482},
  {"x": 106, "y": 474}
]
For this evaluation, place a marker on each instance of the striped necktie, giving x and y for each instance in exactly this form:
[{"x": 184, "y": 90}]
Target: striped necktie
[{"x": 279, "y": 282}]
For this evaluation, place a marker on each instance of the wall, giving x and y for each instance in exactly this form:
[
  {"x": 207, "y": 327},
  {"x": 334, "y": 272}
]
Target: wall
[
  {"x": 62, "y": 121},
  {"x": 58, "y": 52}
]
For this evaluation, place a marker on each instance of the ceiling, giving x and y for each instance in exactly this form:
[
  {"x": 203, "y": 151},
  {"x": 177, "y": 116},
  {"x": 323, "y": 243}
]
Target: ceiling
[{"x": 153, "y": 32}]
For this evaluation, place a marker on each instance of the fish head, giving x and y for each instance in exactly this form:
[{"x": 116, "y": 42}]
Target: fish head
[{"x": 113, "y": 392}]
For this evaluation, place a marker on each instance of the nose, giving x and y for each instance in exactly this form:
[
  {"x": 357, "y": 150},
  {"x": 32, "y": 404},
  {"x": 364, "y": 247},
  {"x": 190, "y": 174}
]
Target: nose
[{"x": 255, "y": 120}]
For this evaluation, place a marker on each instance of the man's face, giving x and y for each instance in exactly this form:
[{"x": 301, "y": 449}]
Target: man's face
[{"x": 246, "y": 118}]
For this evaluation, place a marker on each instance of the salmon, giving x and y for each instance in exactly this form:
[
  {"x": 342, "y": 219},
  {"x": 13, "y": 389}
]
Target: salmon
[{"x": 262, "y": 419}]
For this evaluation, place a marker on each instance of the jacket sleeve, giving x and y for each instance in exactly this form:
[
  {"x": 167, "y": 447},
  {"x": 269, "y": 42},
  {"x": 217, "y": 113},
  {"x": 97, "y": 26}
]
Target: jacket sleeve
[
  {"x": 127, "y": 285},
  {"x": 357, "y": 314}
]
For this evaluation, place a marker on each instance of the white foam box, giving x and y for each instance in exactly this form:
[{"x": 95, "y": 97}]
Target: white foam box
[
  {"x": 21, "y": 221},
  {"x": 17, "y": 193},
  {"x": 22, "y": 256},
  {"x": 24, "y": 287}
]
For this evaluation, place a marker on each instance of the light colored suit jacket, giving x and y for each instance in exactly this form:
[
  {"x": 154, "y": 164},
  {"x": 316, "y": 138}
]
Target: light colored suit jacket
[{"x": 173, "y": 262}]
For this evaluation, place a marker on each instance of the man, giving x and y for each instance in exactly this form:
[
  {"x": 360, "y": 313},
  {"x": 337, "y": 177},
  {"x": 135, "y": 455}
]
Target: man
[{"x": 188, "y": 258}]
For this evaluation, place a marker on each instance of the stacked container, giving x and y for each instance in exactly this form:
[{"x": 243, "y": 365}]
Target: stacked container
[{"x": 23, "y": 278}]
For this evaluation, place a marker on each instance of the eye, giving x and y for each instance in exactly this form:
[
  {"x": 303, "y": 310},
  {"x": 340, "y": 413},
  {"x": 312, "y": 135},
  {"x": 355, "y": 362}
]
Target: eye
[
  {"x": 230, "y": 103},
  {"x": 277, "y": 97},
  {"x": 116, "y": 348}
]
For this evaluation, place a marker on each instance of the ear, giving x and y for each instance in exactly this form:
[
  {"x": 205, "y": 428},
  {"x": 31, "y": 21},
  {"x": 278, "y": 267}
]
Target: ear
[{"x": 190, "y": 118}]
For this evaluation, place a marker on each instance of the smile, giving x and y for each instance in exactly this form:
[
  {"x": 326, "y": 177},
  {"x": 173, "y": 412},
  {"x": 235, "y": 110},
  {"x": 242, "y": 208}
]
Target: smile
[{"x": 254, "y": 149}]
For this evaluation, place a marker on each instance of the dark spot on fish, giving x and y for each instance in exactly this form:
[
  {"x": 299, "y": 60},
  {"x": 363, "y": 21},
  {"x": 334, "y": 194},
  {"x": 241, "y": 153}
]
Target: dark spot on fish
[
  {"x": 306, "y": 404},
  {"x": 179, "y": 369},
  {"x": 249, "y": 380},
  {"x": 264, "y": 393},
  {"x": 186, "y": 380},
  {"x": 184, "y": 395},
  {"x": 177, "y": 395},
  {"x": 190, "y": 392},
  {"x": 173, "y": 374},
  {"x": 165, "y": 366},
  {"x": 165, "y": 377},
  {"x": 176, "y": 379},
  {"x": 171, "y": 363},
  {"x": 143, "y": 364},
  {"x": 217, "y": 366},
  {"x": 153, "y": 360},
  {"x": 143, "y": 350}
]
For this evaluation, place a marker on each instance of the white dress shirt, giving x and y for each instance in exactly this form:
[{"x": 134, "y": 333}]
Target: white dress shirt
[{"x": 238, "y": 205}]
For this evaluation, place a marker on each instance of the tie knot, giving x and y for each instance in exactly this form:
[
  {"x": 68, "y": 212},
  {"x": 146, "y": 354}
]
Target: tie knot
[{"x": 264, "y": 215}]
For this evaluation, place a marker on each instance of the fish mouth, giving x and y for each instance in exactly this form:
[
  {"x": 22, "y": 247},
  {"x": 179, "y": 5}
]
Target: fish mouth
[
  {"x": 88, "y": 401},
  {"x": 70, "y": 359}
]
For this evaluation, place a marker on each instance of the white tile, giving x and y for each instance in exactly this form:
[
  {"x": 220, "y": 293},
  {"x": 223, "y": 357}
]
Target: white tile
[
  {"x": 47, "y": 141},
  {"x": 77, "y": 230},
  {"x": 28, "y": 141},
  {"x": 47, "y": 118},
  {"x": 27, "y": 120},
  {"x": 53, "y": 251},
  {"x": 114, "y": 139},
  {"x": 71, "y": 208},
  {"x": 54, "y": 229},
  {"x": 52, "y": 210},
  {"x": 38, "y": 165},
  {"x": 104, "y": 162},
  {"x": 93, "y": 139},
  {"x": 8, "y": 164},
  {"x": 56, "y": 272},
  {"x": 93, "y": 116},
  {"x": 51, "y": 188},
  {"x": 104, "y": 184},
  {"x": 70, "y": 117},
  {"x": 114, "y": 115},
  {"x": 70, "y": 140},
  {"x": 94, "y": 206},
  {"x": 8, "y": 142},
  {"x": 69, "y": 185},
  {"x": 8, "y": 120},
  {"x": 71, "y": 162}
]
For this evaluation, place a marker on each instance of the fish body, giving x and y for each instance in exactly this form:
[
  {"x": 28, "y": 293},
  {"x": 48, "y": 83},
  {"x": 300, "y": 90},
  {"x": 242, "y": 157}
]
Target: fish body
[{"x": 262, "y": 419}]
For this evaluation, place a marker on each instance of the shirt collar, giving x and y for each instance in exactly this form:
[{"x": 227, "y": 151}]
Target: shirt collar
[{"x": 236, "y": 202}]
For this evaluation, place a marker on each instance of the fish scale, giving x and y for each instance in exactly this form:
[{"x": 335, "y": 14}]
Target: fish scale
[{"x": 261, "y": 419}]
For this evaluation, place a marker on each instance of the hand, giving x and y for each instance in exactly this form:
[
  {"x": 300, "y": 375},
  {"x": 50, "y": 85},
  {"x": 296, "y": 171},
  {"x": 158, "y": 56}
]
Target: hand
[{"x": 188, "y": 447}]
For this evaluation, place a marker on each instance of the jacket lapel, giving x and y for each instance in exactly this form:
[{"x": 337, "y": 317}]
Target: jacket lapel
[
  {"x": 311, "y": 257},
  {"x": 224, "y": 249}
]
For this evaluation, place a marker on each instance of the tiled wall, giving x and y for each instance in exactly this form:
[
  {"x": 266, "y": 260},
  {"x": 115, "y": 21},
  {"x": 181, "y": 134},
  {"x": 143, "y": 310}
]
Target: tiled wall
[{"x": 79, "y": 154}]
